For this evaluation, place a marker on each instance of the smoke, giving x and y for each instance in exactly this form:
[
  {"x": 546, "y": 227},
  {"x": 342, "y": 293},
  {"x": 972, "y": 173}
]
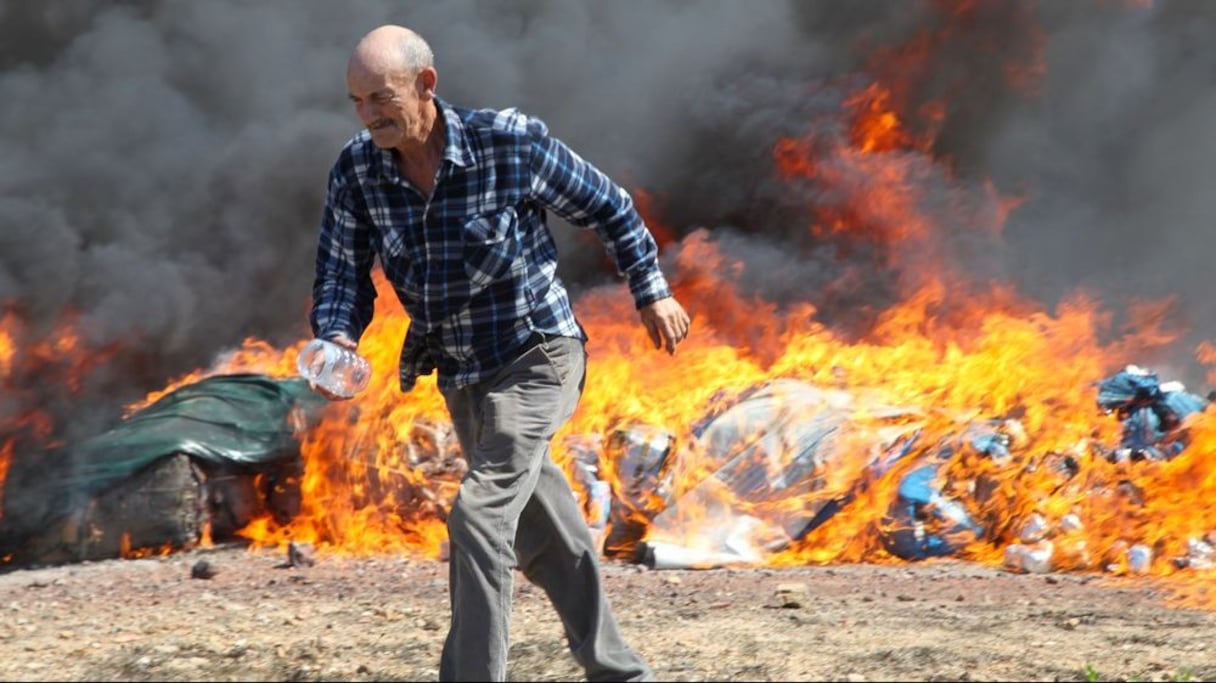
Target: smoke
[
  {"x": 1116, "y": 159},
  {"x": 162, "y": 164}
]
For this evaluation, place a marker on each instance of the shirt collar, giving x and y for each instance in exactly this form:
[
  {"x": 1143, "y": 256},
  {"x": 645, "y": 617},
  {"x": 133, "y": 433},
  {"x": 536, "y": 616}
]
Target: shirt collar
[{"x": 455, "y": 146}]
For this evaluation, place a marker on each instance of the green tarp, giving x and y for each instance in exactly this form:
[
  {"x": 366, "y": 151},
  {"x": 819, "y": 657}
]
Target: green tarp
[{"x": 239, "y": 422}]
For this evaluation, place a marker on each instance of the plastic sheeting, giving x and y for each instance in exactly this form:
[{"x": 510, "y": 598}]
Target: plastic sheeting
[
  {"x": 240, "y": 422},
  {"x": 922, "y": 521},
  {"x": 779, "y": 467},
  {"x": 1150, "y": 411}
]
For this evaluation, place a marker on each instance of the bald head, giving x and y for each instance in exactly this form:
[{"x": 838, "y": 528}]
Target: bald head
[
  {"x": 391, "y": 81},
  {"x": 391, "y": 50}
]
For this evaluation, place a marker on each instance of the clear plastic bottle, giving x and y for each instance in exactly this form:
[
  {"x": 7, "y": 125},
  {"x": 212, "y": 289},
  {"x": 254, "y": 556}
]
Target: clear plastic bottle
[
  {"x": 600, "y": 504},
  {"x": 1015, "y": 556},
  {"x": 1037, "y": 559},
  {"x": 1034, "y": 529},
  {"x": 1139, "y": 558},
  {"x": 333, "y": 367}
]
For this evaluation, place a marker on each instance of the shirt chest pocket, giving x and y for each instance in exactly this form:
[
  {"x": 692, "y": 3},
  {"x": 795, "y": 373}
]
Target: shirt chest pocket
[{"x": 491, "y": 245}]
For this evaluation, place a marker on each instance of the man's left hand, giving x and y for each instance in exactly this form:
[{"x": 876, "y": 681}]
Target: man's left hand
[{"x": 666, "y": 322}]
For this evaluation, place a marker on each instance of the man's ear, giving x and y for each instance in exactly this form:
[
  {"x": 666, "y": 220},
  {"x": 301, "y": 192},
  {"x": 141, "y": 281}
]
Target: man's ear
[{"x": 427, "y": 79}]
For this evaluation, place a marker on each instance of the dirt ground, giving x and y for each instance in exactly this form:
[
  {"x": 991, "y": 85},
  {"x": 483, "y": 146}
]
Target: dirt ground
[{"x": 261, "y": 618}]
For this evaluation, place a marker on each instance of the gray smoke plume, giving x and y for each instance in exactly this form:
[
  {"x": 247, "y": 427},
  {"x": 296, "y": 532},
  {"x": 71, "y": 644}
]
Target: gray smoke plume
[{"x": 162, "y": 164}]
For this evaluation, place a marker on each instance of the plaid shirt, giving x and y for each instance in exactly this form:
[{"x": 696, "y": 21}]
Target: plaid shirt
[{"x": 474, "y": 264}]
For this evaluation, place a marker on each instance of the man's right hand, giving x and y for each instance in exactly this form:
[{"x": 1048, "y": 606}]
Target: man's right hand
[
  {"x": 666, "y": 322},
  {"x": 327, "y": 393},
  {"x": 340, "y": 340}
]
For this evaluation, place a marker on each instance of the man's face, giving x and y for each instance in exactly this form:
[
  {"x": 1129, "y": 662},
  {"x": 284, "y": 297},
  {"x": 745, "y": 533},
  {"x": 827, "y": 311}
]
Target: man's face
[{"x": 389, "y": 105}]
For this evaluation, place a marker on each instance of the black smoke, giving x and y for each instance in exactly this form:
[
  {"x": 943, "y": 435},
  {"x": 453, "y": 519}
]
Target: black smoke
[{"x": 162, "y": 164}]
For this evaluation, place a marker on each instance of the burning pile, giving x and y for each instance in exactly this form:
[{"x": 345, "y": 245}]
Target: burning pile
[
  {"x": 787, "y": 457},
  {"x": 758, "y": 479},
  {"x": 903, "y": 408}
]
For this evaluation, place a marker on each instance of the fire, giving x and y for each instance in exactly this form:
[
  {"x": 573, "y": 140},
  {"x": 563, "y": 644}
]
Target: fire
[
  {"x": 128, "y": 551},
  {"x": 1206, "y": 354},
  {"x": 254, "y": 355},
  {"x": 380, "y": 470},
  {"x": 647, "y": 205},
  {"x": 364, "y": 484},
  {"x": 24, "y": 363},
  {"x": 8, "y": 347},
  {"x": 6, "y": 461},
  {"x": 876, "y": 127}
]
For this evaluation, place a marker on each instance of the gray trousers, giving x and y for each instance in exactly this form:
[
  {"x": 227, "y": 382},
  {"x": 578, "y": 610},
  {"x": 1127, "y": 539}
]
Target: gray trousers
[{"x": 515, "y": 508}]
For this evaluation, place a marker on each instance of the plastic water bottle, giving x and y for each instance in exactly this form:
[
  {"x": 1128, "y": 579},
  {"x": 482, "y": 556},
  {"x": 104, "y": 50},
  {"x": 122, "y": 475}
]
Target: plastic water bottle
[
  {"x": 600, "y": 504},
  {"x": 1139, "y": 558},
  {"x": 1015, "y": 556},
  {"x": 1199, "y": 553},
  {"x": 1033, "y": 529},
  {"x": 1037, "y": 559},
  {"x": 334, "y": 368},
  {"x": 1070, "y": 523}
]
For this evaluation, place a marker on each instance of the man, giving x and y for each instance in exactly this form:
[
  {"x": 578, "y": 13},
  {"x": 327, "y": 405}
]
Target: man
[{"x": 453, "y": 201}]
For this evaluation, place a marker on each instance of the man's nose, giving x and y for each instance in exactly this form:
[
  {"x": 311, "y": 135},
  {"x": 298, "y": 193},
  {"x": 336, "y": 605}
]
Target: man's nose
[{"x": 367, "y": 111}]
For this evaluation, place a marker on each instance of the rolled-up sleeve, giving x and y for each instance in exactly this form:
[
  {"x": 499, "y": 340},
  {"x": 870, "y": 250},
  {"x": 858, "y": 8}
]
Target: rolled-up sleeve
[
  {"x": 343, "y": 296},
  {"x": 583, "y": 195}
]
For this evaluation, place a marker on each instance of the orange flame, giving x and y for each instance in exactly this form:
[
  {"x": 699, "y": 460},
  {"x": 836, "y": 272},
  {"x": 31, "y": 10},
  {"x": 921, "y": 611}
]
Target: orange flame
[
  {"x": 6, "y": 461},
  {"x": 8, "y": 348},
  {"x": 33, "y": 425},
  {"x": 950, "y": 351},
  {"x": 379, "y": 471},
  {"x": 647, "y": 204}
]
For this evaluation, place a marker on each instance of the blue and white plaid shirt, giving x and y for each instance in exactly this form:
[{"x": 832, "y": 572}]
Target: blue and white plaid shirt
[{"x": 474, "y": 265}]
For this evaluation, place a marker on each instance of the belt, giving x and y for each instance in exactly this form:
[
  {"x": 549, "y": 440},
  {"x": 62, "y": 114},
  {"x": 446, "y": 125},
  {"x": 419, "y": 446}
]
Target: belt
[{"x": 535, "y": 339}]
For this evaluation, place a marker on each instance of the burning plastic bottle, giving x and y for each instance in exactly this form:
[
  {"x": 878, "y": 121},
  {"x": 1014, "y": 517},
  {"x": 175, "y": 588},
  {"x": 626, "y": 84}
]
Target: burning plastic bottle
[
  {"x": 1037, "y": 559},
  {"x": 600, "y": 508},
  {"x": 1033, "y": 559},
  {"x": 1199, "y": 554},
  {"x": 1139, "y": 558},
  {"x": 1034, "y": 529},
  {"x": 334, "y": 368}
]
